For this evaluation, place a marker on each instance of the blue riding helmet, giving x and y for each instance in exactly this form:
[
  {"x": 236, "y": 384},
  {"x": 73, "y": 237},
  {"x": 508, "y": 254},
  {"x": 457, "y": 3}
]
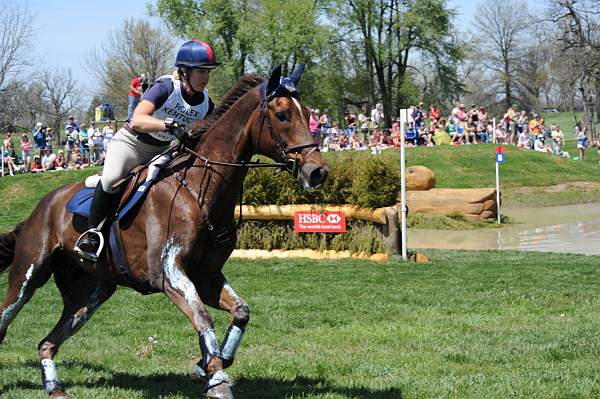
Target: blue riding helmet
[{"x": 196, "y": 54}]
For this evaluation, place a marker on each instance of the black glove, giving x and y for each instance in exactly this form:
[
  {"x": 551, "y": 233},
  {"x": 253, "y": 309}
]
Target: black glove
[{"x": 180, "y": 132}]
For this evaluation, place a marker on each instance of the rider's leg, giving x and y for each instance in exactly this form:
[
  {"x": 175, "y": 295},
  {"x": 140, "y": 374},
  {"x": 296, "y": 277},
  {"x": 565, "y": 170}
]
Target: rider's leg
[
  {"x": 124, "y": 152},
  {"x": 102, "y": 205},
  {"x": 121, "y": 158}
]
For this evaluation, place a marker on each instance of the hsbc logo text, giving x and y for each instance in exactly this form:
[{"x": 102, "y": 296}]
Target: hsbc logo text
[{"x": 323, "y": 222}]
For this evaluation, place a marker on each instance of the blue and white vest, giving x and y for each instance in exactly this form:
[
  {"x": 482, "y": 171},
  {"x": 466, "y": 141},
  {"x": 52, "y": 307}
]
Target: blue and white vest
[{"x": 177, "y": 108}]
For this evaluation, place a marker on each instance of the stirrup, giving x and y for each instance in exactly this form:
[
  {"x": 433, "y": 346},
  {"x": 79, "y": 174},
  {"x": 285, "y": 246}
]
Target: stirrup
[{"x": 92, "y": 256}]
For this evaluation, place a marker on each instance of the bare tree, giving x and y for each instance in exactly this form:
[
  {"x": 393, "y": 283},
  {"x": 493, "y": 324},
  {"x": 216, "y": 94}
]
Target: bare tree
[
  {"x": 60, "y": 95},
  {"x": 137, "y": 47},
  {"x": 579, "y": 43},
  {"x": 532, "y": 70},
  {"x": 16, "y": 33},
  {"x": 500, "y": 26},
  {"x": 21, "y": 104}
]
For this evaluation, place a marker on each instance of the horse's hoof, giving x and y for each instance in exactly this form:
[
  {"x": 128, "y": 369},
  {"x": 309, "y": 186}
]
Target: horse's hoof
[
  {"x": 59, "y": 395},
  {"x": 219, "y": 386}
]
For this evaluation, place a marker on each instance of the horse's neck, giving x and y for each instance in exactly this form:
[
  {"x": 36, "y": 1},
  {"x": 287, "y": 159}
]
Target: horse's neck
[{"x": 228, "y": 140}]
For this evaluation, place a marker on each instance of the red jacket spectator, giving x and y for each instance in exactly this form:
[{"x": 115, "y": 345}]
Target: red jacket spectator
[{"x": 135, "y": 87}]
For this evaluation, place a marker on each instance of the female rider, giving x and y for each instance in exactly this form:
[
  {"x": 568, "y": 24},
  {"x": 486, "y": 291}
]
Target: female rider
[{"x": 172, "y": 102}]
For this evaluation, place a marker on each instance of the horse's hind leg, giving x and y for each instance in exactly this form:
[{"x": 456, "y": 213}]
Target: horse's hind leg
[
  {"x": 82, "y": 296},
  {"x": 25, "y": 276},
  {"x": 215, "y": 291}
]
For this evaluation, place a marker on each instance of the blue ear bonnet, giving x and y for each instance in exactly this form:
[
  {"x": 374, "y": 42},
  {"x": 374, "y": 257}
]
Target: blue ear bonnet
[
  {"x": 286, "y": 88},
  {"x": 281, "y": 86}
]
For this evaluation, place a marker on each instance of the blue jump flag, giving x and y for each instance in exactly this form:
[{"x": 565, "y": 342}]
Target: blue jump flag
[{"x": 500, "y": 154}]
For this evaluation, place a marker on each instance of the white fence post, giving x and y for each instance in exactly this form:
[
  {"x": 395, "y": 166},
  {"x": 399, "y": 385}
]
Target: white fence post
[
  {"x": 2, "y": 156},
  {"x": 403, "y": 120},
  {"x": 498, "y": 191}
]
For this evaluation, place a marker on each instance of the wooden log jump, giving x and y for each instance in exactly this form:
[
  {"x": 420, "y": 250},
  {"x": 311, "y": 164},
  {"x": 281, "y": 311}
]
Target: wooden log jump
[{"x": 387, "y": 217}]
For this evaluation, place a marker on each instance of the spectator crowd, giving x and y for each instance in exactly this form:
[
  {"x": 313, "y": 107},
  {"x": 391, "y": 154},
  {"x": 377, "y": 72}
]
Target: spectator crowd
[
  {"x": 83, "y": 146},
  {"x": 429, "y": 127}
]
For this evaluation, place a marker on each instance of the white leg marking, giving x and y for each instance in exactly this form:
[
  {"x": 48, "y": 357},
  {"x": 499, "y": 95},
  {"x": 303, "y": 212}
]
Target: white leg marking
[
  {"x": 84, "y": 315},
  {"x": 174, "y": 275},
  {"x": 49, "y": 370},
  {"x": 11, "y": 310}
]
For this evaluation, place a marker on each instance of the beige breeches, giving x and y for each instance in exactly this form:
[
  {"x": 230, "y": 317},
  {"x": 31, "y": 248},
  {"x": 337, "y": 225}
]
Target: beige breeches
[{"x": 123, "y": 153}]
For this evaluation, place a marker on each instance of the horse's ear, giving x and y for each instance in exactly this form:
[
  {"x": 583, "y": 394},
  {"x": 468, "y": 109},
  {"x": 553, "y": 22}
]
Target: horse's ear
[
  {"x": 297, "y": 73},
  {"x": 274, "y": 79}
]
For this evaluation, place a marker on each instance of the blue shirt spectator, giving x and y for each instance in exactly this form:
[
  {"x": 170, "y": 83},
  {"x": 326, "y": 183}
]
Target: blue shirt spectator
[
  {"x": 39, "y": 137},
  {"x": 71, "y": 125}
]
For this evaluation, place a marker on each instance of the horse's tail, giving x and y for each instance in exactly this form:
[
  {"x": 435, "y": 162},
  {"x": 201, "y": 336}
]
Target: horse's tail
[{"x": 7, "y": 246}]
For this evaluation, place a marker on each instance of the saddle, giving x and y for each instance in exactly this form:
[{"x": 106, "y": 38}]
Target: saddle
[{"x": 133, "y": 190}]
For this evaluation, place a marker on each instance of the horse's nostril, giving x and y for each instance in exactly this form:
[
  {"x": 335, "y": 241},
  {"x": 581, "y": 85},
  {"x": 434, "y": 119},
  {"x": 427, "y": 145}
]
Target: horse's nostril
[{"x": 318, "y": 177}]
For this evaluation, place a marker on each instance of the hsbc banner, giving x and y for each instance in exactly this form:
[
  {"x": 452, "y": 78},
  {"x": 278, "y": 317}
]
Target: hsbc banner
[{"x": 319, "y": 222}]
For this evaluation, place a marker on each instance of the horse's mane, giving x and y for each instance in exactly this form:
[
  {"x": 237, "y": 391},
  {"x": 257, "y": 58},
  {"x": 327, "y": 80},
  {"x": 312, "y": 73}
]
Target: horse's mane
[{"x": 243, "y": 85}]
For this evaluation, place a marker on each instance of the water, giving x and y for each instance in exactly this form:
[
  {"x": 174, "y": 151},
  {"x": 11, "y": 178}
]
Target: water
[{"x": 566, "y": 229}]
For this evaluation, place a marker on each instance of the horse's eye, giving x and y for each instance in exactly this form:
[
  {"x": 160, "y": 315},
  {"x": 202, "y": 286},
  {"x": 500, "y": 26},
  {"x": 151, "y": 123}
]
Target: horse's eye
[{"x": 282, "y": 116}]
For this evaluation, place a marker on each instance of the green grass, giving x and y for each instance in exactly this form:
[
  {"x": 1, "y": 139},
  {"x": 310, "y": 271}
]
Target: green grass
[
  {"x": 474, "y": 166},
  {"x": 20, "y": 194},
  {"x": 467, "y": 325}
]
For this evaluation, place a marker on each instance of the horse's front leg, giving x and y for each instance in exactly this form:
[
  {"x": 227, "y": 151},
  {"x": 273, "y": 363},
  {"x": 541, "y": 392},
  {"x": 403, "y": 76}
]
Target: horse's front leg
[
  {"x": 182, "y": 292},
  {"x": 215, "y": 291}
]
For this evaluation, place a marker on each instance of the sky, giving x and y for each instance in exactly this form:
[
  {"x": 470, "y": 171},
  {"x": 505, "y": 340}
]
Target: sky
[{"x": 68, "y": 30}]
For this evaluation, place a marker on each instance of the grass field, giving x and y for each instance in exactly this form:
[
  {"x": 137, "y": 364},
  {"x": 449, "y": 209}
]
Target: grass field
[{"x": 467, "y": 325}]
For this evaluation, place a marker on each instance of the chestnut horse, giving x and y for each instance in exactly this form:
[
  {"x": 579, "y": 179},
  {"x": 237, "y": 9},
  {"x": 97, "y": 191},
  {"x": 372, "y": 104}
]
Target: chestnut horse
[{"x": 181, "y": 235}]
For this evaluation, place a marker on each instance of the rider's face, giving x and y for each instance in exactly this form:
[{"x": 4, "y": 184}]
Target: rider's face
[{"x": 199, "y": 78}]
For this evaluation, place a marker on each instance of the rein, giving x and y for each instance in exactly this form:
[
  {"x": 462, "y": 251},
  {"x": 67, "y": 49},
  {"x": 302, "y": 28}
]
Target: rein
[{"x": 291, "y": 165}]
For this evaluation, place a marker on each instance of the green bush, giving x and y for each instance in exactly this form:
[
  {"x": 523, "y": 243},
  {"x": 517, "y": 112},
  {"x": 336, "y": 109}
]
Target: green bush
[
  {"x": 376, "y": 183},
  {"x": 356, "y": 179}
]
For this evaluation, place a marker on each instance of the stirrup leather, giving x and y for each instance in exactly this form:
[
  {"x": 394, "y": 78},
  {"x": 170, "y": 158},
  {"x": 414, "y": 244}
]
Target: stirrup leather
[{"x": 90, "y": 255}]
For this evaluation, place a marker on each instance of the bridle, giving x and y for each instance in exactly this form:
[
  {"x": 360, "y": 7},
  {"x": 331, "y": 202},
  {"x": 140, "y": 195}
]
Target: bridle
[{"x": 293, "y": 165}]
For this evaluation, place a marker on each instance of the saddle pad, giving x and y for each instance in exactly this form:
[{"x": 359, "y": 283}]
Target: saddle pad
[{"x": 81, "y": 202}]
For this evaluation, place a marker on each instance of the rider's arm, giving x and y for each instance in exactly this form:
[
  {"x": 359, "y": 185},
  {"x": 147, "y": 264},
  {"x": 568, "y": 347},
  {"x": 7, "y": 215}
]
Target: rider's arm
[{"x": 142, "y": 120}]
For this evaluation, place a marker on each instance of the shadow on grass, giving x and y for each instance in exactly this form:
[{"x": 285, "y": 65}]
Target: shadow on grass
[{"x": 155, "y": 386}]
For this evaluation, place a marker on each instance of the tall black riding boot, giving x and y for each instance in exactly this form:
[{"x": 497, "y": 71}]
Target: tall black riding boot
[{"x": 89, "y": 245}]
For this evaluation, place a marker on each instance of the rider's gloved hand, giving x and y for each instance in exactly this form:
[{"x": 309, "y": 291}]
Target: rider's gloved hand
[{"x": 180, "y": 132}]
